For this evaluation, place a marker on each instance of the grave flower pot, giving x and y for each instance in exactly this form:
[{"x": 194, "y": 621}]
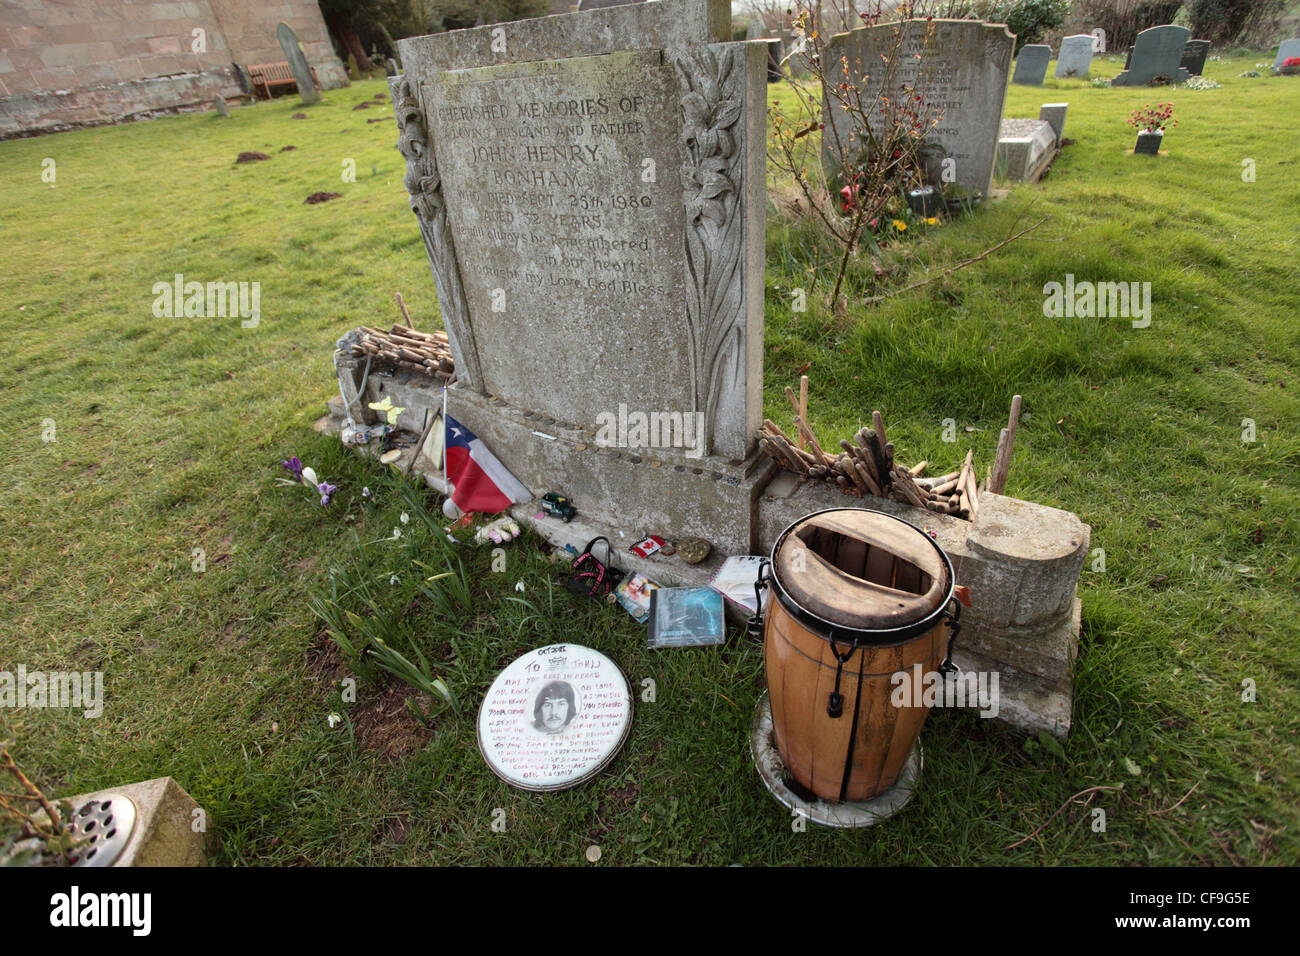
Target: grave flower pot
[
  {"x": 925, "y": 202},
  {"x": 1148, "y": 143}
]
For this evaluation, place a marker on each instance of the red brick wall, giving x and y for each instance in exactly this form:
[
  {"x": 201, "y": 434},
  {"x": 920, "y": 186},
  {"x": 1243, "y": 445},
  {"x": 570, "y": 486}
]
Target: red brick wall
[{"x": 53, "y": 53}]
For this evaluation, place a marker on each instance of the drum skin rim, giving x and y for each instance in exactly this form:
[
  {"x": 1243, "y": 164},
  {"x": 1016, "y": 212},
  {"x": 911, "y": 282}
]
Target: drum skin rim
[{"x": 874, "y": 637}]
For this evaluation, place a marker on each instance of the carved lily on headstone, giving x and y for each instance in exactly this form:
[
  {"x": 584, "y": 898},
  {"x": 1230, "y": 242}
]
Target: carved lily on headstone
[
  {"x": 712, "y": 101},
  {"x": 707, "y": 117}
]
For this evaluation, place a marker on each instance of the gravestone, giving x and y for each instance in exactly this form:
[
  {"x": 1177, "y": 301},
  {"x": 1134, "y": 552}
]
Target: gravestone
[
  {"x": 1075, "y": 58},
  {"x": 1285, "y": 51},
  {"x": 219, "y": 103},
  {"x": 961, "y": 66},
  {"x": 1157, "y": 52},
  {"x": 1194, "y": 55},
  {"x": 1054, "y": 114},
  {"x": 1098, "y": 40},
  {"x": 590, "y": 189},
  {"x": 1031, "y": 65},
  {"x": 298, "y": 64}
]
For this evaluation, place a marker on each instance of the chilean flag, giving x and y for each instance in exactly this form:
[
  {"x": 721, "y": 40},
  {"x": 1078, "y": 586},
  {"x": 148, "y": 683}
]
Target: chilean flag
[{"x": 479, "y": 481}]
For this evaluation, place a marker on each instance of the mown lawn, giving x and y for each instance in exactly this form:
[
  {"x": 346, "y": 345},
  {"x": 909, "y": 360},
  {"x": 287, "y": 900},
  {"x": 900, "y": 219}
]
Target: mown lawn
[{"x": 169, "y": 433}]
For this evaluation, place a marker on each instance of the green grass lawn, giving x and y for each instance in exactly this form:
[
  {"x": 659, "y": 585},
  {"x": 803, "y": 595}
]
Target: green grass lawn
[{"x": 169, "y": 433}]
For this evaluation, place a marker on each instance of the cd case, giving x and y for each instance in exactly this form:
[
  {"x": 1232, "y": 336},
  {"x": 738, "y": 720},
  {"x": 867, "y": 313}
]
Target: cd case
[{"x": 686, "y": 617}]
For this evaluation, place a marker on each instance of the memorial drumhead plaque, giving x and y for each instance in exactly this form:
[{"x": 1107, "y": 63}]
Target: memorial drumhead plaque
[{"x": 554, "y": 717}]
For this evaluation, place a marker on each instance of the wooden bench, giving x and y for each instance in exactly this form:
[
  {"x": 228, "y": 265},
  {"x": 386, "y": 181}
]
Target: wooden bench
[{"x": 263, "y": 76}]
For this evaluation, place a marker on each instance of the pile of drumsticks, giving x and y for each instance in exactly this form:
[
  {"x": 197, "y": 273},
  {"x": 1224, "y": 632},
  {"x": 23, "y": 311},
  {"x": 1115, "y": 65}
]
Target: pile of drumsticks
[
  {"x": 866, "y": 465},
  {"x": 404, "y": 347}
]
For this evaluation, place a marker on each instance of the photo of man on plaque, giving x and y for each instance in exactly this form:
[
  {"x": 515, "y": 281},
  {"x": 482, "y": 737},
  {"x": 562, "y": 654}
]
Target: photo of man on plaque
[{"x": 554, "y": 708}]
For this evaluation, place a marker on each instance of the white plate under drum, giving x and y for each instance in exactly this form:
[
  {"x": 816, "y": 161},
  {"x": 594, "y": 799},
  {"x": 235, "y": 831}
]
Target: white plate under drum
[
  {"x": 554, "y": 718},
  {"x": 767, "y": 760}
]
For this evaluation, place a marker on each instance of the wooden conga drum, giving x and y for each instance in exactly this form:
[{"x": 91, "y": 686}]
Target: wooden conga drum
[{"x": 858, "y": 596}]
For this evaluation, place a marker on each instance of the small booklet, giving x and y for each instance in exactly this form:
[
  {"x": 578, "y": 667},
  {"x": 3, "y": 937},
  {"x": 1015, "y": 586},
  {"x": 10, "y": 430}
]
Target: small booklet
[
  {"x": 734, "y": 580},
  {"x": 686, "y": 617},
  {"x": 634, "y": 594}
]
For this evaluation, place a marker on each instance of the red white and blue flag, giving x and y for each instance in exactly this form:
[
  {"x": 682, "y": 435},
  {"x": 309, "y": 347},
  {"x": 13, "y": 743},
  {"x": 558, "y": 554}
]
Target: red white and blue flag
[{"x": 479, "y": 481}]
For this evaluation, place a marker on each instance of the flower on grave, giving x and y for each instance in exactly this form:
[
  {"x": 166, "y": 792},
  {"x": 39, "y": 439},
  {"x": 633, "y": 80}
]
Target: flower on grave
[
  {"x": 394, "y": 579},
  {"x": 519, "y": 585},
  {"x": 405, "y": 518},
  {"x": 397, "y": 533},
  {"x": 390, "y": 411},
  {"x": 309, "y": 476},
  {"x": 326, "y": 493},
  {"x": 333, "y": 720},
  {"x": 294, "y": 467},
  {"x": 900, "y": 225},
  {"x": 365, "y": 493}
]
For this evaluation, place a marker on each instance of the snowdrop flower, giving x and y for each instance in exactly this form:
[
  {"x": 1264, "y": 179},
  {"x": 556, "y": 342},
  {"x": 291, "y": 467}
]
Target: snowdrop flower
[
  {"x": 394, "y": 579},
  {"x": 365, "y": 492},
  {"x": 333, "y": 720},
  {"x": 519, "y": 585},
  {"x": 397, "y": 533},
  {"x": 405, "y": 518}
]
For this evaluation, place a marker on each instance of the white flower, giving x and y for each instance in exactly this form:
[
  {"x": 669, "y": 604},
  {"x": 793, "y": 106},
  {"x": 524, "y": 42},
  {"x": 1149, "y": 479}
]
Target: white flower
[
  {"x": 405, "y": 518},
  {"x": 397, "y": 533},
  {"x": 334, "y": 720},
  {"x": 394, "y": 579},
  {"x": 519, "y": 585},
  {"x": 309, "y": 476},
  {"x": 365, "y": 492}
]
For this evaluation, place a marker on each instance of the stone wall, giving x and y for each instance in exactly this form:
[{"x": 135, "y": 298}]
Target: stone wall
[{"x": 83, "y": 62}]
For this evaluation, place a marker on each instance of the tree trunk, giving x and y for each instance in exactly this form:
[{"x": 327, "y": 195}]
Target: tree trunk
[{"x": 346, "y": 33}]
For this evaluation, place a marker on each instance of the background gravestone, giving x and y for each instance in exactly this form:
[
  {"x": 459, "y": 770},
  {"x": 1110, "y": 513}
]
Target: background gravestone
[
  {"x": 1098, "y": 40},
  {"x": 1158, "y": 52},
  {"x": 1075, "y": 58},
  {"x": 590, "y": 189},
  {"x": 298, "y": 64},
  {"x": 1194, "y": 55},
  {"x": 1031, "y": 65},
  {"x": 1285, "y": 51},
  {"x": 962, "y": 67}
]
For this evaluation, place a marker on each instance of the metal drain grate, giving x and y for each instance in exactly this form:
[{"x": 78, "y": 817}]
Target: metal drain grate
[{"x": 103, "y": 827}]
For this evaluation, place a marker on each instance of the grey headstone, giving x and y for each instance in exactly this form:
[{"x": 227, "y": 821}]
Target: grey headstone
[
  {"x": 754, "y": 30},
  {"x": 1075, "y": 58},
  {"x": 1098, "y": 40},
  {"x": 1054, "y": 114},
  {"x": 1288, "y": 49},
  {"x": 963, "y": 69},
  {"x": 546, "y": 161},
  {"x": 1194, "y": 55},
  {"x": 1031, "y": 65},
  {"x": 1157, "y": 52},
  {"x": 220, "y": 103},
  {"x": 297, "y": 63}
]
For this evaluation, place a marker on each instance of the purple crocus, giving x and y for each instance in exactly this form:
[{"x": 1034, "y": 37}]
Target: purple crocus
[
  {"x": 326, "y": 492},
  {"x": 294, "y": 467}
]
